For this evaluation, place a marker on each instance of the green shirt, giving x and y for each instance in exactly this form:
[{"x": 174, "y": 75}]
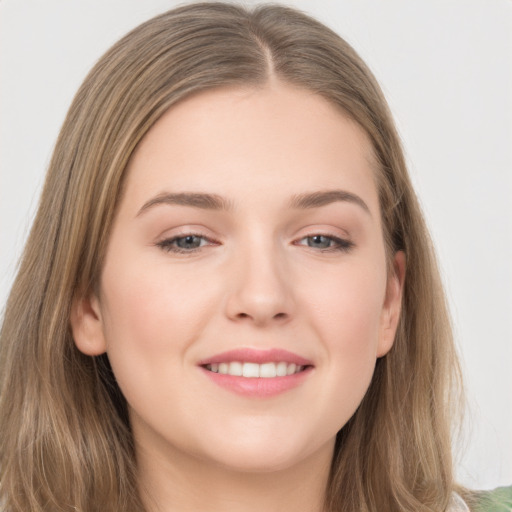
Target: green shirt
[{"x": 499, "y": 500}]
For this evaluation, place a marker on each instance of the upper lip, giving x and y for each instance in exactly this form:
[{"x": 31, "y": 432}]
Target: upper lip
[{"x": 249, "y": 355}]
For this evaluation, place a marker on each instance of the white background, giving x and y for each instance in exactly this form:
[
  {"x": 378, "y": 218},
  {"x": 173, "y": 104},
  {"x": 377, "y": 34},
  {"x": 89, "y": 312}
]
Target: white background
[{"x": 446, "y": 68}]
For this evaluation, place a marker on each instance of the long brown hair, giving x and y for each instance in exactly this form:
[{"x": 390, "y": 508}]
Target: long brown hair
[{"x": 65, "y": 439}]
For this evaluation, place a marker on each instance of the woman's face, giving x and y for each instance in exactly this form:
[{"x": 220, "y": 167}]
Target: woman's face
[{"x": 248, "y": 242}]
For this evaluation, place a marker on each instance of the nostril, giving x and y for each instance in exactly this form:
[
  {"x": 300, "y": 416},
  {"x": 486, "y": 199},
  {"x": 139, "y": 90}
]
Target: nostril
[{"x": 277, "y": 316}]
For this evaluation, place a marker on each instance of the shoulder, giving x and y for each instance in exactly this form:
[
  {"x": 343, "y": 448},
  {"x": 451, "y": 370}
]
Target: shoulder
[
  {"x": 498, "y": 500},
  {"x": 457, "y": 504}
]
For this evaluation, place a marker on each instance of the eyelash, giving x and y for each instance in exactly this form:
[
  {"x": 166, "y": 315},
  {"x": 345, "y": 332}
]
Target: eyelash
[
  {"x": 167, "y": 244},
  {"x": 338, "y": 244}
]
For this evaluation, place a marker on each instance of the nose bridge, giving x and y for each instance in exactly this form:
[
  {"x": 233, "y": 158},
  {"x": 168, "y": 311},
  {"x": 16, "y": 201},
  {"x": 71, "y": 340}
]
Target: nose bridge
[{"x": 260, "y": 290}]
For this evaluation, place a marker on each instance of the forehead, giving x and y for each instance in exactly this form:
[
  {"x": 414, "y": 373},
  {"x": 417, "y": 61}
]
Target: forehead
[{"x": 249, "y": 142}]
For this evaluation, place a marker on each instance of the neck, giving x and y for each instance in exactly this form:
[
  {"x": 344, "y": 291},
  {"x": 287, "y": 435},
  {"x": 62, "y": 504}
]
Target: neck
[{"x": 183, "y": 484}]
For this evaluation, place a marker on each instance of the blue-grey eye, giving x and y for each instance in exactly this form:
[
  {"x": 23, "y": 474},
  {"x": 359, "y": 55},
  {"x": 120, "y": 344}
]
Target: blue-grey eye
[
  {"x": 319, "y": 241},
  {"x": 326, "y": 243},
  {"x": 184, "y": 244},
  {"x": 189, "y": 242}
]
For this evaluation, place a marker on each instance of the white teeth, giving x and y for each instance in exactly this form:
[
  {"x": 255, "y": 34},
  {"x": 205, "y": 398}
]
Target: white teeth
[
  {"x": 268, "y": 370},
  {"x": 291, "y": 369},
  {"x": 253, "y": 370},
  {"x": 235, "y": 368},
  {"x": 281, "y": 369}
]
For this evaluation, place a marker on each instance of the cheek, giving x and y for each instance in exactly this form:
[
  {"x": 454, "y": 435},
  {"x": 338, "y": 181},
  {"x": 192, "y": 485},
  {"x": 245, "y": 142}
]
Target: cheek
[
  {"x": 149, "y": 307},
  {"x": 345, "y": 312},
  {"x": 346, "y": 306},
  {"x": 150, "y": 318}
]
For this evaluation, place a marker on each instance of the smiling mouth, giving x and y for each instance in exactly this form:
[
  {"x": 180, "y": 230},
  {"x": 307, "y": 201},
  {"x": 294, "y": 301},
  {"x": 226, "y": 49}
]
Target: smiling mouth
[{"x": 254, "y": 370}]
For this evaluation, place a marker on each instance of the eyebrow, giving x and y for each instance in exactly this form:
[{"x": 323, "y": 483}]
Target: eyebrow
[
  {"x": 193, "y": 199},
  {"x": 215, "y": 202},
  {"x": 323, "y": 198}
]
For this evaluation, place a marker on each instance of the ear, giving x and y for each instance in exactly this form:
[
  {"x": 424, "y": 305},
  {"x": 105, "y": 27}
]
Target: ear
[
  {"x": 392, "y": 304},
  {"x": 87, "y": 325}
]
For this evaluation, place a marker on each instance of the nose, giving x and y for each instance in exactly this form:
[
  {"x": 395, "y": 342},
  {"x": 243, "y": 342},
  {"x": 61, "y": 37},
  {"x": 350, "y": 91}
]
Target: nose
[{"x": 260, "y": 289}]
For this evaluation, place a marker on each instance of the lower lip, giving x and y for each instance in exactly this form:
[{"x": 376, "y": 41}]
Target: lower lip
[{"x": 258, "y": 387}]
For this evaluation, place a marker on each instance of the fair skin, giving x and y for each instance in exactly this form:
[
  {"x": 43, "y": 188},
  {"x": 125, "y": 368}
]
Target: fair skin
[{"x": 279, "y": 248}]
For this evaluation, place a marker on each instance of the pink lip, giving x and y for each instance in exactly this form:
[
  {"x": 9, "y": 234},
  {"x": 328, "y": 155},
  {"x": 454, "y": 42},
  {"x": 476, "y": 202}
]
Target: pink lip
[
  {"x": 249, "y": 355},
  {"x": 257, "y": 387}
]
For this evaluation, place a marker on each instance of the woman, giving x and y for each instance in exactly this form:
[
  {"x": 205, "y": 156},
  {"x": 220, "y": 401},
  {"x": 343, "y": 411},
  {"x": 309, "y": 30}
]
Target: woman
[{"x": 228, "y": 299}]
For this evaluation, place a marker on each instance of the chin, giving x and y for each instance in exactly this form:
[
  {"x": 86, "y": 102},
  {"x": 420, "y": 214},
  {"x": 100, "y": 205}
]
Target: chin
[
  {"x": 267, "y": 456},
  {"x": 252, "y": 463}
]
